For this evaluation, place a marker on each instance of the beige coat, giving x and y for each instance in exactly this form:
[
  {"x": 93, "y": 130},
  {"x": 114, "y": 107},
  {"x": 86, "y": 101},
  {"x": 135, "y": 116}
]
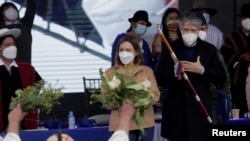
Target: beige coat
[{"x": 141, "y": 73}]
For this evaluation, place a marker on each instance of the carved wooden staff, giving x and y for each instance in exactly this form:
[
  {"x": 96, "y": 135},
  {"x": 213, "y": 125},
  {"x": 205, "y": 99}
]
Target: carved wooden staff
[{"x": 196, "y": 96}]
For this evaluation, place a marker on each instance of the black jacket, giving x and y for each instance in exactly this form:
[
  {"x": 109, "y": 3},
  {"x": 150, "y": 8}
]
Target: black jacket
[{"x": 182, "y": 117}]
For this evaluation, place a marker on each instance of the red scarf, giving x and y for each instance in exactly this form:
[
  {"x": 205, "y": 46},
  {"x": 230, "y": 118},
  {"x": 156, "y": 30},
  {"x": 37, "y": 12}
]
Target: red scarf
[{"x": 27, "y": 73}]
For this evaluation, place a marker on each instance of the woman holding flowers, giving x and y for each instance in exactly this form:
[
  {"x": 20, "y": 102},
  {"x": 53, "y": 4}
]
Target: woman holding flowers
[{"x": 128, "y": 64}]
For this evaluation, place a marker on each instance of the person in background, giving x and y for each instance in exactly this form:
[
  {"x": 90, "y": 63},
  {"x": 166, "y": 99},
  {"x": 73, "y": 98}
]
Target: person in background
[
  {"x": 14, "y": 74},
  {"x": 236, "y": 53},
  {"x": 138, "y": 27},
  {"x": 129, "y": 62},
  {"x": 214, "y": 34},
  {"x": 221, "y": 94},
  {"x": 9, "y": 17},
  {"x": 182, "y": 117},
  {"x": 170, "y": 29}
]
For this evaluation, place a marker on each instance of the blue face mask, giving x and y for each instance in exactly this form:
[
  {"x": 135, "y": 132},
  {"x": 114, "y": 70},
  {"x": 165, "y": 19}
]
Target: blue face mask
[
  {"x": 140, "y": 29},
  {"x": 207, "y": 17}
]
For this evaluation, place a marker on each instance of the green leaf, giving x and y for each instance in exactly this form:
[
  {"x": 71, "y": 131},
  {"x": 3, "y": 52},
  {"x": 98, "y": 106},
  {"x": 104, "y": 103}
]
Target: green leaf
[{"x": 41, "y": 96}]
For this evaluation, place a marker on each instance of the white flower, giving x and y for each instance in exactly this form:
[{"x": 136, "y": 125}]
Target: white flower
[
  {"x": 146, "y": 84},
  {"x": 138, "y": 86},
  {"x": 141, "y": 86},
  {"x": 114, "y": 83}
]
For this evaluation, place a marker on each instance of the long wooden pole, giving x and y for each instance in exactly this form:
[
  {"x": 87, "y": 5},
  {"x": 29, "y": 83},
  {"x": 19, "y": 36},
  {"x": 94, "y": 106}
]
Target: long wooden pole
[{"x": 175, "y": 59}]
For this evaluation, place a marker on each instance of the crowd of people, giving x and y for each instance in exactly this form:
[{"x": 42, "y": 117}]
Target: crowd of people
[
  {"x": 190, "y": 57},
  {"x": 213, "y": 65}
]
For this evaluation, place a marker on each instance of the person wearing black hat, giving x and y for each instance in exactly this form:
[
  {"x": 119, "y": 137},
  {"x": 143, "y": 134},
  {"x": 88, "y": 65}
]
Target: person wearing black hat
[
  {"x": 138, "y": 27},
  {"x": 214, "y": 34},
  {"x": 236, "y": 52}
]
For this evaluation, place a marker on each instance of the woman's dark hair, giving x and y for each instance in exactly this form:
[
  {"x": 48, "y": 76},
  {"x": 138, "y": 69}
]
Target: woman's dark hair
[
  {"x": 3, "y": 6},
  {"x": 163, "y": 21},
  {"x": 138, "y": 60}
]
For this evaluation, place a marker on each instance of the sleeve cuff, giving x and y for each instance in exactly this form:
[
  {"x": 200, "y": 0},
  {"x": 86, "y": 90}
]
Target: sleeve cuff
[
  {"x": 11, "y": 137},
  {"x": 202, "y": 70},
  {"x": 235, "y": 64},
  {"x": 119, "y": 135}
]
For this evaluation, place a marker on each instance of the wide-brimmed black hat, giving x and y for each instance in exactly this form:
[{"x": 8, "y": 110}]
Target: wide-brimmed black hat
[
  {"x": 245, "y": 10},
  {"x": 199, "y": 5},
  {"x": 140, "y": 15}
]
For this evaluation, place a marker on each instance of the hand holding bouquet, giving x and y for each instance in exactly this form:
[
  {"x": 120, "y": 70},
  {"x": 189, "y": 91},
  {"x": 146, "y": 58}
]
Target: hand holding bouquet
[
  {"x": 38, "y": 96},
  {"x": 118, "y": 89}
]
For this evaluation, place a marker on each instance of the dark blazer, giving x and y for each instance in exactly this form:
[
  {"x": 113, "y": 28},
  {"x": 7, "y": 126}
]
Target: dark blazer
[{"x": 182, "y": 117}]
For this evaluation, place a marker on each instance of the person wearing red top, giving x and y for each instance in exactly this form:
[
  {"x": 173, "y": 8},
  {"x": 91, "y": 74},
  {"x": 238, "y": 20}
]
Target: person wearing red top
[{"x": 14, "y": 74}]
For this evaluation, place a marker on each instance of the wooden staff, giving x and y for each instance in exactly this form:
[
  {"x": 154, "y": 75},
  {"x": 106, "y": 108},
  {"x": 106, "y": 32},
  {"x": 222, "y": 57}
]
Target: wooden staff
[{"x": 196, "y": 96}]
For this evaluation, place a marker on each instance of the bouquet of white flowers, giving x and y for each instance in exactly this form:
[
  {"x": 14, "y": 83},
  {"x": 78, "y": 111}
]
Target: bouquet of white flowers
[{"x": 118, "y": 89}]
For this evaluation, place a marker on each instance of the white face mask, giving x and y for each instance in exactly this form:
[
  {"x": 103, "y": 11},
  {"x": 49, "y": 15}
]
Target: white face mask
[
  {"x": 11, "y": 14},
  {"x": 207, "y": 17},
  {"x": 202, "y": 35},
  {"x": 189, "y": 38},
  {"x": 10, "y": 52},
  {"x": 126, "y": 57},
  {"x": 140, "y": 29},
  {"x": 246, "y": 23}
]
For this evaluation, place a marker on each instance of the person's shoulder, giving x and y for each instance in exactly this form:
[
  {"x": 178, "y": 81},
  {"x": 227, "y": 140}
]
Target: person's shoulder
[
  {"x": 22, "y": 62},
  {"x": 238, "y": 31},
  {"x": 213, "y": 28},
  {"x": 120, "y": 35},
  {"x": 111, "y": 69},
  {"x": 177, "y": 43},
  {"x": 207, "y": 46},
  {"x": 145, "y": 68},
  {"x": 234, "y": 35},
  {"x": 144, "y": 40},
  {"x": 204, "y": 43}
]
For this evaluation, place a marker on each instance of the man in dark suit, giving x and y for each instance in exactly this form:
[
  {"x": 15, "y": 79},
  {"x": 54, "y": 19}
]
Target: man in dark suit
[{"x": 182, "y": 117}]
